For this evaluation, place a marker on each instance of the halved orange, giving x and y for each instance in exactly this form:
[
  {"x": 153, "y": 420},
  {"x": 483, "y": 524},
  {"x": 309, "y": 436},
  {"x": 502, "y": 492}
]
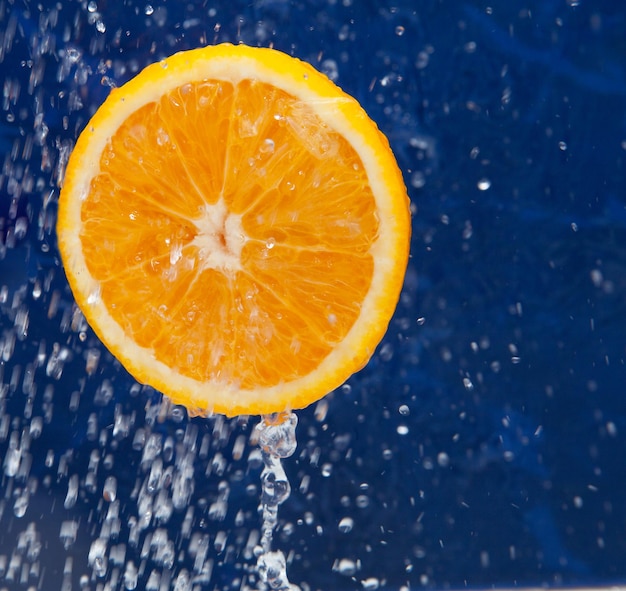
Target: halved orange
[{"x": 235, "y": 229}]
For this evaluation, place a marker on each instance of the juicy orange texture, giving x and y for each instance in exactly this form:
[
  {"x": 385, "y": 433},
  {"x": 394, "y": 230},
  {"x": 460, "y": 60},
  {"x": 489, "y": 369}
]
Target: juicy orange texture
[{"x": 235, "y": 229}]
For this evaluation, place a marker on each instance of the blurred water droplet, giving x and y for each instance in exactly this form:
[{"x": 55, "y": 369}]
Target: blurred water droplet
[
  {"x": 483, "y": 184},
  {"x": 21, "y": 227},
  {"x": 362, "y": 501},
  {"x": 304, "y": 484},
  {"x": 103, "y": 394},
  {"x": 36, "y": 427},
  {"x": 267, "y": 146},
  {"x": 330, "y": 68},
  {"x": 217, "y": 510},
  {"x": 345, "y": 525},
  {"x": 21, "y": 503},
  {"x": 130, "y": 576},
  {"x": 370, "y": 584},
  {"x": 443, "y": 459},
  {"x": 68, "y": 533},
  {"x": 56, "y": 361},
  {"x": 418, "y": 180},
  {"x": 386, "y": 352},
  {"x": 346, "y": 567},
  {"x": 182, "y": 581},
  {"x": 273, "y": 570},
  {"x": 109, "y": 492},
  {"x": 321, "y": 410},
  {"x": 183, "y": 483},
  {"x": 220, "y": 541},
  {"x": 12, "y": 462},
  {"x": 72, "y": 492},
  {"x": 97, "y": 558}
]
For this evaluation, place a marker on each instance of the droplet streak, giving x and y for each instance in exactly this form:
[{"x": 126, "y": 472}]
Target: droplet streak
[{"x": 277, "y": 440}]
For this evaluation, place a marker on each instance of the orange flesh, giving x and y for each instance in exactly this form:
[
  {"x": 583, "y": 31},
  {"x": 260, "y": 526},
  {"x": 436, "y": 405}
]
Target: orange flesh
[{"x": 271, "y": 308}]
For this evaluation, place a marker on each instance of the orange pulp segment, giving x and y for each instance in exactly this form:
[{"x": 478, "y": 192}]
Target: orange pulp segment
[{"x": 235, "y": 229}]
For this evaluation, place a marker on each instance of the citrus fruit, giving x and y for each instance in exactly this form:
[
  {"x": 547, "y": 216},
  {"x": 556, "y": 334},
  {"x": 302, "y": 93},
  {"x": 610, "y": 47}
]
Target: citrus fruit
[{"x": 235, "y": 230}]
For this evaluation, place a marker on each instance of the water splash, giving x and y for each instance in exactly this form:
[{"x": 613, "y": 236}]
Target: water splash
[{"x": 277, "y": 440}]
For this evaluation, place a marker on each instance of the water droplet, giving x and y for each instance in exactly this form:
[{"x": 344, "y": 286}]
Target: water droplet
[
  {"x": 68, "y": 533},
  {"x": 92, "y": 357},
  {"x": 12, "y": 461},
  {"x": 72, "y": 492},
  {"x": 21, "y": 503},
  {"x": 330, "y": 68},
  {"x": 148, "y": 10},
  {"x": 443, "y": 459},
  {"x": 109, "y": 493},
  {"x": 21, "y": 227},
  {"x": 267, "y": 146},
  {"x": 97, "y": 558},
  {"x": 321, "y": 410},
  {"x": 162, "y": 137},
  {"x": 72, "y": 54},
  {"x": 131, "y": 576},
  {"x": 362, "y": 501},
  {"x": 483, "y": 184},
  {"x": 370, "y": 584},
  {"x": 418, "y": 180},
  {"x": 220, "y": 541},
  {"x": 386, "y": 352},
  {"x": 346, "y": 525},
  {"x": 399, "y": 30},
  {"x": 278, "y": 438},
  {"x": 273, "y": 571},
  {"x": 346, "y": 567}
]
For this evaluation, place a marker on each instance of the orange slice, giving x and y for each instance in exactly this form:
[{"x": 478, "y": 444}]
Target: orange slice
[{"x": 235, "y": 229}]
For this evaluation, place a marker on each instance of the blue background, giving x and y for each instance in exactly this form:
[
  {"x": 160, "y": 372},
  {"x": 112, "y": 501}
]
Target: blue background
[{"x": 484, "y": 443}]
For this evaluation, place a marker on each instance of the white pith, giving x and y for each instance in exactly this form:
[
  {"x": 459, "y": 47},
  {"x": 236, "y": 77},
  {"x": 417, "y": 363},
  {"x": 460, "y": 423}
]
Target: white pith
[{"x": 220, "y": 238}]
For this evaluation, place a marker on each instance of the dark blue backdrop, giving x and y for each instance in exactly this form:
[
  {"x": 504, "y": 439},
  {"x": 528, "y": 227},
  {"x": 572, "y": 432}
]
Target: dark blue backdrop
[{"x": 484, "y": 443}]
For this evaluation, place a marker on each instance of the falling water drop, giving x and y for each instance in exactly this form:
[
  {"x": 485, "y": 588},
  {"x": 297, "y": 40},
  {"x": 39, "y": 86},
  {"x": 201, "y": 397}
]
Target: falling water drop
[{"x": 277, "y": 440}]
